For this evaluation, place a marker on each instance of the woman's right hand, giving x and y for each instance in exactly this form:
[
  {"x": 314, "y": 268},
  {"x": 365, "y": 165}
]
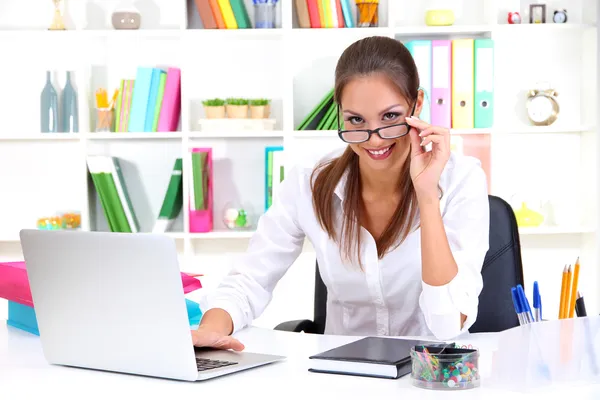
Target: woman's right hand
[{"x": 206, "y": 337}]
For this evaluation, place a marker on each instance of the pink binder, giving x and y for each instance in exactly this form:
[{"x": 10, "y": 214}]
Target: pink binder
[
  {"x": 171, "y": 103},
  {"x": 14, "y": 283},
  {"x": 202, "y": 220},
  {"x": 441, "y": 83}
]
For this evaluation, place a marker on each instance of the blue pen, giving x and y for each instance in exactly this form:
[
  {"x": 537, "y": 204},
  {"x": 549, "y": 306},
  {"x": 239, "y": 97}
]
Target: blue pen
[
  {"x": 517, "y": 306},
  {"x": 537, "y": 302},
  {"x": 525, "y": 304}
]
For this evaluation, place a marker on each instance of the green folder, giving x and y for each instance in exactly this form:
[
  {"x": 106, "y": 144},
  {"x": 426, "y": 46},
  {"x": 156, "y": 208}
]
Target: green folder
[
  {"x": 311, "y": 121},
  {"x": 173, "y": 201},
  {"x": 124, "y": 198}
]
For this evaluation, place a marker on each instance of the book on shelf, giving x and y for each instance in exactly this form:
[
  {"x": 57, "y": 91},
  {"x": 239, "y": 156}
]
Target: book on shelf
[
  {"x": 274, "y": 173},
  {"x": 324, "y": 13},
  {"x": 173, "y": 200},
  {"x": 322, "y": 117},
  {"x": 149, "y": 103},
  {"x": 223, "y": 14},
  {"x": 110, "y": 185}
]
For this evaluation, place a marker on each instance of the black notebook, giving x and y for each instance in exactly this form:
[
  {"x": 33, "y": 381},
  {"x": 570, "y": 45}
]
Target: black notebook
[{"x": 380, "y": 357}]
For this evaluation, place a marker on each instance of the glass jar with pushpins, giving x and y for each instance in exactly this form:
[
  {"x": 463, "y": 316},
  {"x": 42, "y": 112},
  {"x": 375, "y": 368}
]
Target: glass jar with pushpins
[
  {"x": 367, "y": 13},
  {"x": 58, "y": 24}
]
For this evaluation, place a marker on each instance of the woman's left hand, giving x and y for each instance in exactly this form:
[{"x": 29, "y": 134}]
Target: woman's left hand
[{"x": 426, "y": 166}]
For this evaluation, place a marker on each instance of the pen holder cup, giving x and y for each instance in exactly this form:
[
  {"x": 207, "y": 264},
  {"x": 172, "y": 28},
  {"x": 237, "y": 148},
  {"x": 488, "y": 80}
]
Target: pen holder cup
[
  {"x": 445, "y": 368},
  {"x": 367, "y": 14},
  {"x": 536, "y": 355},
  {"x": 104, "y": 119},
  {"x": 265, "y": 15}
]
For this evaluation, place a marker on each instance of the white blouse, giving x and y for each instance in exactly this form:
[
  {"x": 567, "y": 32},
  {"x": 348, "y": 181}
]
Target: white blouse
[{"x": 387, "y": 297}]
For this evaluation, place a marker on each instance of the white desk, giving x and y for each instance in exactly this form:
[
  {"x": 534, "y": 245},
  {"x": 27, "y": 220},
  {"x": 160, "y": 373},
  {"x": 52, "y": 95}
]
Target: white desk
[{"x": 24, "y": 374}]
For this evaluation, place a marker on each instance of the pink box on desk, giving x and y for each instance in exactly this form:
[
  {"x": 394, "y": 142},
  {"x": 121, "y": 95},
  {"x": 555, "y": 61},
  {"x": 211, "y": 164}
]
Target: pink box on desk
[
  {"x": 14, "y": 283},
  {"x": 202, "y": 220}
]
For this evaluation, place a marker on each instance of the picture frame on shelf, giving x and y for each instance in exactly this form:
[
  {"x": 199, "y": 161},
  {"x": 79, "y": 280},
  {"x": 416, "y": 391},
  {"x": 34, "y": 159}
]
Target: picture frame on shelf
[{"x": 537, "y": 13}]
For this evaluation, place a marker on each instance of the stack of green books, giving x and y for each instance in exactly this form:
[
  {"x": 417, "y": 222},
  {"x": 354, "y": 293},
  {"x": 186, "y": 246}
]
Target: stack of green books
[
  {"x": 322, "y": 117},
  {"x": 110, "y": 185}
]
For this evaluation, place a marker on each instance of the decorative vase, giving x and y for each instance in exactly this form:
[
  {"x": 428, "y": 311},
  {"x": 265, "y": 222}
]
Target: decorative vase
[
  {"x": 237, "y": 111},
  {"x": 214, "y": 112},
  {"x": 69, "y": 110},
  {"x": 49, "y": 107}
]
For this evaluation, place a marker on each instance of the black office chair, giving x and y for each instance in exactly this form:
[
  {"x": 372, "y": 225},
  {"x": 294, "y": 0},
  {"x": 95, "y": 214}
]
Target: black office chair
[{"x": 502, "y": 269}]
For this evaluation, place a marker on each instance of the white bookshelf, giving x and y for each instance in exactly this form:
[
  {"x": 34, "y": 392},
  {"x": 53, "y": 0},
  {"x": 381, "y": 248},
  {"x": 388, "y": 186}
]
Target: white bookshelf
[{"x": 46, "y": 173}]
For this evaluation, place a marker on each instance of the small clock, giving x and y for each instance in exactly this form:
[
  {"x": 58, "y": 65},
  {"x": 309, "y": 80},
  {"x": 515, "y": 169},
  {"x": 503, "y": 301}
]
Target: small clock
[
  {"x": 514, "y": 18},
  {"x": 560, "y": 16},
  {"x": 542, "y": 107}
]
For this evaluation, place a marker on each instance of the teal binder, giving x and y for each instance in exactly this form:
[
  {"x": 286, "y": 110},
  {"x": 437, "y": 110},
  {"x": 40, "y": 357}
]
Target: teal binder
[
  {"x": 484, "y": 83},
  {"x": 422, "y": 54}
]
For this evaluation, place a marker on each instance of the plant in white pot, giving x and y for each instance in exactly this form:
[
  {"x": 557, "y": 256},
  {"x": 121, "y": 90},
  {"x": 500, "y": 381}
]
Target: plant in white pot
[
  {"x": 214, "y": 108},
  {"x": 236, "y": 108},
  {"x": 260, "y": 108}
]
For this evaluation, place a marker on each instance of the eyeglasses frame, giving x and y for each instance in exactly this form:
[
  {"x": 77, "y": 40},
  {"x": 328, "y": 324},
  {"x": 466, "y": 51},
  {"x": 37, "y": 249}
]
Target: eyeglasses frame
[{"x": 371, "y": 131}]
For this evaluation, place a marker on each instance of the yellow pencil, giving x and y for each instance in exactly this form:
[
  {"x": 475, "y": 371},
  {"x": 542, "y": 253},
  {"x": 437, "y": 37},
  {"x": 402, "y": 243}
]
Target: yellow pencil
[
  {"x": 574, "y": 289},
  {"x": 563, "y": 288}
]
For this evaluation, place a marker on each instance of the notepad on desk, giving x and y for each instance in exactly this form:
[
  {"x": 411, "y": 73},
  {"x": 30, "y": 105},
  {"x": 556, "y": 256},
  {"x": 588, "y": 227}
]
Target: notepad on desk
[{"x": 379, "y": 357}]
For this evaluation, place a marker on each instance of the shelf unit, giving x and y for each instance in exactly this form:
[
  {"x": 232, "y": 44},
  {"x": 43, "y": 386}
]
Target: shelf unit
[{"x": 294, "y": 68}]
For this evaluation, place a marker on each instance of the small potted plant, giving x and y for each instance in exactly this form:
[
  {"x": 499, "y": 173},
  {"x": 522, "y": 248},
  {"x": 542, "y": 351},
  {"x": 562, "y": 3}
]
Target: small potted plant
[
  {"x": 259, "y": 108},
  {"x": 214, "y": 108},
  {"x": 236, "y": 108}
]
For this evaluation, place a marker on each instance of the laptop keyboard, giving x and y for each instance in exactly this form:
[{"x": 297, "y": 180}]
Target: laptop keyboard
[{"x": 205, "y": 364}]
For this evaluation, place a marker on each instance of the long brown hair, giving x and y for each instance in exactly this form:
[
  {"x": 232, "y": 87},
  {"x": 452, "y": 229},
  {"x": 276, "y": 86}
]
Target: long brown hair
[{"x": 364, "y": 57}]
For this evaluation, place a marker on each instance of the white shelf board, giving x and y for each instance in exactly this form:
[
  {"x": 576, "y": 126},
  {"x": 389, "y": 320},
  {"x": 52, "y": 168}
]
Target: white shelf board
[
  {"x": 40, "y": 137},
  {"x": 533, "y": 28},
  {"x": 555, "y": 230},
  {"x": 234, "y": 134},
  {"x": 222, "y": 235},
  {"x": 442, "y": 30},
  {"x": 132, "y": 135},
  {"x": 544, "y": 129}
]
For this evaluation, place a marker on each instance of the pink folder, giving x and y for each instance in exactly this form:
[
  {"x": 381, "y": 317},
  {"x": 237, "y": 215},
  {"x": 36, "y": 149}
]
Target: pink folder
[
  {"x": 171, "y": 103},
  {"x": 441, "y": 83},
  {"x": 14, "y": 284}
]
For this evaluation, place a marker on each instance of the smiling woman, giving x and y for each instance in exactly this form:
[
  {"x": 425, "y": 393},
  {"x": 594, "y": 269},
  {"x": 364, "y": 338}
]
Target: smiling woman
[{"x": 400, "y": 232}]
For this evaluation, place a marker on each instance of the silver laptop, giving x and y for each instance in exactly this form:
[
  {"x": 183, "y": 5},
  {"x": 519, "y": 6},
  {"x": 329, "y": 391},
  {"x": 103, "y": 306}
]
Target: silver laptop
[{"x": 115, "y": 302}]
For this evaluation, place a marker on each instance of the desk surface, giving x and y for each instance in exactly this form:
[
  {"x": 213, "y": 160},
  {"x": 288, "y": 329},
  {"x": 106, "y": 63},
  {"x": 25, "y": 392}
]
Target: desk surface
[{"x": 24, "y": 374}]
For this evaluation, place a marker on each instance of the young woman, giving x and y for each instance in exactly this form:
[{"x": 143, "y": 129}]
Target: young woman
[{"x": 400, "y": 231}]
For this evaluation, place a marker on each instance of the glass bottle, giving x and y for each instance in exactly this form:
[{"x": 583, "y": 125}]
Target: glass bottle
[
  {"x": 49, "y": 107},
  {"x": 69, "y": 114}
]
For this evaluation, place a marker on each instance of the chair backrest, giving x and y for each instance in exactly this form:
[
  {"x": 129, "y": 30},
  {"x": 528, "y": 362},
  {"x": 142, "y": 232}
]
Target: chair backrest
[{"x": 502, "y": 269}]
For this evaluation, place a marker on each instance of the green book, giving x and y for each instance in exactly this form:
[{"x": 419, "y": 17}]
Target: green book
[
  {"x": 124, "y": 198},
  {"x": 117, "y": 108},
  {"x": 98, "y": 172},
  {"x": 159, "y": 98},
  {"x": 241, "y": 14},
  {"x": 173, "y": 201},
  {"x": 98, "y": 184}
]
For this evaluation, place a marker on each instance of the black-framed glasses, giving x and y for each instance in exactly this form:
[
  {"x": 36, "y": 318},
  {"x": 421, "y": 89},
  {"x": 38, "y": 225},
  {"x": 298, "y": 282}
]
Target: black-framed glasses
[{"x": 363, "y": 135}]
